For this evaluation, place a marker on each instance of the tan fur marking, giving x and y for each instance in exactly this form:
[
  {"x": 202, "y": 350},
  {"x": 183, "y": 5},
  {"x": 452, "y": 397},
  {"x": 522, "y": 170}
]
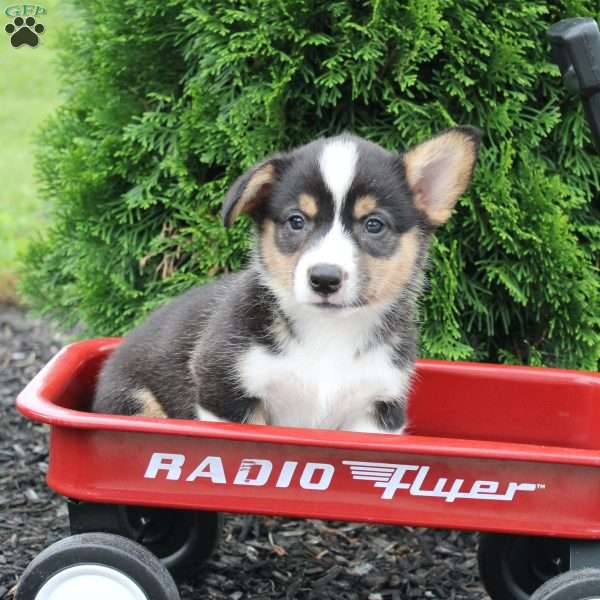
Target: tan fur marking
[
  {"x": 280, "y": 266},
  {"x": 364, "y": 206},
  {"x": 257, "y": 188},
  {"x": 387, "y": 276},
  {"x": 458, "y": 152},
  {"x": 150, "y": 405},
  {"x": 308, "y": 205}
]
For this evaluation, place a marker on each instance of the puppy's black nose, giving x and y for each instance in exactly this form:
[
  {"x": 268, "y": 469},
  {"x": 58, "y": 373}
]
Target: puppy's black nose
[{"x": 325, "y": 279}]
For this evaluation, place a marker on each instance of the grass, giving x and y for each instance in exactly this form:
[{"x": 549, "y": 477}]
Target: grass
[{"x": 28, "y": 94}]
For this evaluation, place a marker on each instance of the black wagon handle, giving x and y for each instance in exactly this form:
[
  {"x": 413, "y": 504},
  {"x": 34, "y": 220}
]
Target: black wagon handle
[{"x": 576, "y": 50}]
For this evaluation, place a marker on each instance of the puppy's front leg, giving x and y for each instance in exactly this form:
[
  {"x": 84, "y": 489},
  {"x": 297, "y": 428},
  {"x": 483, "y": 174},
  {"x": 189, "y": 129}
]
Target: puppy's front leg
[
  {"x": 368, "y": 425},
  {"x": 385, "y": 416},
  {"x": 258, "y": 416},
  {"x": 245, "y": 410}
]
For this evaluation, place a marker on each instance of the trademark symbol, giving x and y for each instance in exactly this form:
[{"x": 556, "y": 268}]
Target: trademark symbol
[{"x": 540, "y": 486}]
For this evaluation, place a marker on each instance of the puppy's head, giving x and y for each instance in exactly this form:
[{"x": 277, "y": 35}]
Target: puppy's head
[{"x": 343, "y": 222}]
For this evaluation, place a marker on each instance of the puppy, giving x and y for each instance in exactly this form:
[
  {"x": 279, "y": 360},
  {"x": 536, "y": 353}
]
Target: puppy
[{"x": 320, "y": 329}]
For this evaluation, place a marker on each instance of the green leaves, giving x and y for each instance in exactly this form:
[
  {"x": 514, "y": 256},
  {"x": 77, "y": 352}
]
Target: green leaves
[{"x": 167, "y": 102}]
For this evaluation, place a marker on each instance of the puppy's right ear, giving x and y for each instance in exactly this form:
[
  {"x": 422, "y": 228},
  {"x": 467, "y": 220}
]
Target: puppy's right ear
[{"x": 252, "y": 188}]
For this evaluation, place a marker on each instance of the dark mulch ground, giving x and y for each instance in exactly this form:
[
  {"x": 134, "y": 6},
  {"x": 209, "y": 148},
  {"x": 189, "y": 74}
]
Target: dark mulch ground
[{"x": 258, "y": 559}]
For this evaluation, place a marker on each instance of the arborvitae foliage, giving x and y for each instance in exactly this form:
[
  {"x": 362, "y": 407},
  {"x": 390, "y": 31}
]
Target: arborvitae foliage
[{"x": 169, "y": 101}]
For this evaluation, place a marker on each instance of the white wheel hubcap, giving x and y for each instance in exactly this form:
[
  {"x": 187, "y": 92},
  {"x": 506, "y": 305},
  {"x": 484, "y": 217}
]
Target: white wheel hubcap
[{"x": 90, "y": 582}]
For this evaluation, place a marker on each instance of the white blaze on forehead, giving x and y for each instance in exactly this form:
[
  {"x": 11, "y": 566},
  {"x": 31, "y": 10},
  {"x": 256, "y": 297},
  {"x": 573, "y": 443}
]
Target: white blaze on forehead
[{"x": 337, "y": 163}]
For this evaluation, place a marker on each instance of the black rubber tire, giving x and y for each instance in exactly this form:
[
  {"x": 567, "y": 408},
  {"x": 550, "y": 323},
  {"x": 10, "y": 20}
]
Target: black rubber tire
[
  {"x": 122, "y": 554},
  {"x": 181, "y": 539},
  {"x": 583, "y": 584},
  {"x": 512, "y": 567}
]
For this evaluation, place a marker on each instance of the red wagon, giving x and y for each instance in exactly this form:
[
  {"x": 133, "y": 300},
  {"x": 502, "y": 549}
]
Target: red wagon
[
  {"x": 497, "y": 449},
  {"x": 513, "y": 452}
]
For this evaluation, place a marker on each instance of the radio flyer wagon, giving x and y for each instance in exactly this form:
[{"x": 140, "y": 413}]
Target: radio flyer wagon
[{"x": 513, "y": 452}]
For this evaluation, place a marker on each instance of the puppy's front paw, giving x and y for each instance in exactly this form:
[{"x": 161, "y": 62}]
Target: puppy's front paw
[{"x": 368, "y": 425}]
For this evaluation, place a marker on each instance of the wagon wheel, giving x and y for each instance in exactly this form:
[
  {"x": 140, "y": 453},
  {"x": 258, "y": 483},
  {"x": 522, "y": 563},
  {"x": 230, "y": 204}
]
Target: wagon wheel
[
  {"x": 512, "y": 567},
  {"x": 110, "y": 566},
  {"x": 573, "y": 585},
  {"x": 181, "y": 539}
]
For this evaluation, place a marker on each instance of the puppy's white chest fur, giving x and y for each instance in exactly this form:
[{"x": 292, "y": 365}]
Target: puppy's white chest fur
[{"x": 321, "y": 378}]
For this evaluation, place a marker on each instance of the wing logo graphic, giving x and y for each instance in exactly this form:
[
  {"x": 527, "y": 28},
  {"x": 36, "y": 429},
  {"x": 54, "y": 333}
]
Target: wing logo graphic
[{"x": 393, "y": 477}]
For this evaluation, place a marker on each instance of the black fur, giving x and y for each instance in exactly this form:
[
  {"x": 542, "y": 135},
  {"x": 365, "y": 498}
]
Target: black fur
[
  {"x": 389, "y": 414},
  {"x": 185, "y": 352}
]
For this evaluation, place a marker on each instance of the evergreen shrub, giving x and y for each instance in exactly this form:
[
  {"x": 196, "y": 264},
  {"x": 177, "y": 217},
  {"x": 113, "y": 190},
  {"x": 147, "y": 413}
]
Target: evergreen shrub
[{"x": 167, "y": 102}]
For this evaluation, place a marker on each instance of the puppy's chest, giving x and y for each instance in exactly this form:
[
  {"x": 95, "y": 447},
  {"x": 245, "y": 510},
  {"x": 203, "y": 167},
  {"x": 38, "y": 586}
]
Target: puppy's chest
[{"x": 324, "y": 383}]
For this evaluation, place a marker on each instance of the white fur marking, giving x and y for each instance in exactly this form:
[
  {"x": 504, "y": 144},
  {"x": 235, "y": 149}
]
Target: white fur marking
[
  {"x": 318, "y": 380},
  {"x": 337, "y": 163}
]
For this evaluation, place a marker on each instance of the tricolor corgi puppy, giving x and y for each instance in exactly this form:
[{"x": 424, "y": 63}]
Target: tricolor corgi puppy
[{"x": 320, "y": 329}]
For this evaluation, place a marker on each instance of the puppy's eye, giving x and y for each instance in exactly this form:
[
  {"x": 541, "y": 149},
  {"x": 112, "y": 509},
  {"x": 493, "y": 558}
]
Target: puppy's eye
[
  {"x": 373, "y": 225},
  {"x": 296, "y": 222}
]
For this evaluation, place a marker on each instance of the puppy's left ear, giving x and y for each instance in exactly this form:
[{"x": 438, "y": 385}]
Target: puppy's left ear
[
  {"x": 252, "y": 188},
  {"x": 438, "y": 171}
]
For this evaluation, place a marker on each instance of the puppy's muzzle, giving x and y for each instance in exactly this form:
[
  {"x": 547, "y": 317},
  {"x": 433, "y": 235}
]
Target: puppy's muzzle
[{"x": 325, "y": 279}]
